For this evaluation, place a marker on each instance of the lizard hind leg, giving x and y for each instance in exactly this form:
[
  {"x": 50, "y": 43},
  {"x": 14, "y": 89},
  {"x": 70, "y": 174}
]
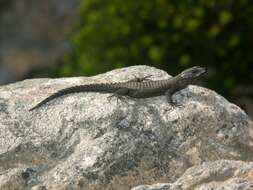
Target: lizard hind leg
[{"x": 120, "y": 94}]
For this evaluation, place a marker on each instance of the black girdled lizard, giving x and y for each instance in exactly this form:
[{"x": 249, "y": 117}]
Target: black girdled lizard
[{"x": 137, "y": 88}]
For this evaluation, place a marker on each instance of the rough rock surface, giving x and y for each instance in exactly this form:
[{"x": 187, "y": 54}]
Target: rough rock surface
[
  {"x": 85, "y": 141},
  {"x": 217, "y": 175}
]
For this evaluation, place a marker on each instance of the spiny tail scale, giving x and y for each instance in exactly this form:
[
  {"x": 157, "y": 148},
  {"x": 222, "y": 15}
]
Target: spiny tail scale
[{"x": 107, "y": 88}]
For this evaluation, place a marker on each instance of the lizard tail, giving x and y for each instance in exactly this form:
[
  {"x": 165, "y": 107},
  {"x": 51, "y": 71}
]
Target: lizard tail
[{"x": 107, "y": 88}]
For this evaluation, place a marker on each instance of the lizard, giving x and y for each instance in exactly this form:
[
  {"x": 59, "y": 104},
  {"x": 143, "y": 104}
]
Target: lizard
[{"x": 136, "y": 88}]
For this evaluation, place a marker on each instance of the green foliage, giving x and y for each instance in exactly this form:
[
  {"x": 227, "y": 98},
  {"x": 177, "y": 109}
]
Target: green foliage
[{"x": 169, "y": 34}]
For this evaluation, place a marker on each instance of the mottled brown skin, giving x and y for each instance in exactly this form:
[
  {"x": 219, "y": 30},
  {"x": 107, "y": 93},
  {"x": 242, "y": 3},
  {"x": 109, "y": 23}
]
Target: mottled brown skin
[{"x": 137, "y": 88}]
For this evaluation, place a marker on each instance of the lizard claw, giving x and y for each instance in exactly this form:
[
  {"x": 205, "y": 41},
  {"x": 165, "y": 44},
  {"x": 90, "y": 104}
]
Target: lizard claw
[
  {"x": 110, "y": 97},
  {"x": 176, "y": 104},
  {"x": 117, "y": 96}
]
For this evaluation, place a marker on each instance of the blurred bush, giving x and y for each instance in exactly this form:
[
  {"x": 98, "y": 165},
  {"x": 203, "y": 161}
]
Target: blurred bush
[{"x": 168, "y": 34}]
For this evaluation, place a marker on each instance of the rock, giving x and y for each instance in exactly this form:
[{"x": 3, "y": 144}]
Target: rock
[
  {"x": 85, "y": 141},
  {"x": 217, "y": 175}
]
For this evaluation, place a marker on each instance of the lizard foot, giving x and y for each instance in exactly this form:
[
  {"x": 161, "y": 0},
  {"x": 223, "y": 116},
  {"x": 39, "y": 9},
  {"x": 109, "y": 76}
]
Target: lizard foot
[
  {"x": 117, "y": 96},
  {"x": 176, "y": 104}
]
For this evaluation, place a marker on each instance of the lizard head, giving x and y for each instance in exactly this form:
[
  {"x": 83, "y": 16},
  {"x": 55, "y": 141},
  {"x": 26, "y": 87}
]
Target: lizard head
[{"x": 192, "y": 73}]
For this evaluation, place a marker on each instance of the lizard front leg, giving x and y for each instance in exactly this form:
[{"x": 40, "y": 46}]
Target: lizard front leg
[
  {"x": 168, "y": 95},
  {"x": 169, "y": 98}
]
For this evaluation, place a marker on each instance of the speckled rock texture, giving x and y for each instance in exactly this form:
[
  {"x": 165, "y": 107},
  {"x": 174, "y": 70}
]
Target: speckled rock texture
[
  {"x": 217, "y": 175},
  {"x": 87, "y": 141}
]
